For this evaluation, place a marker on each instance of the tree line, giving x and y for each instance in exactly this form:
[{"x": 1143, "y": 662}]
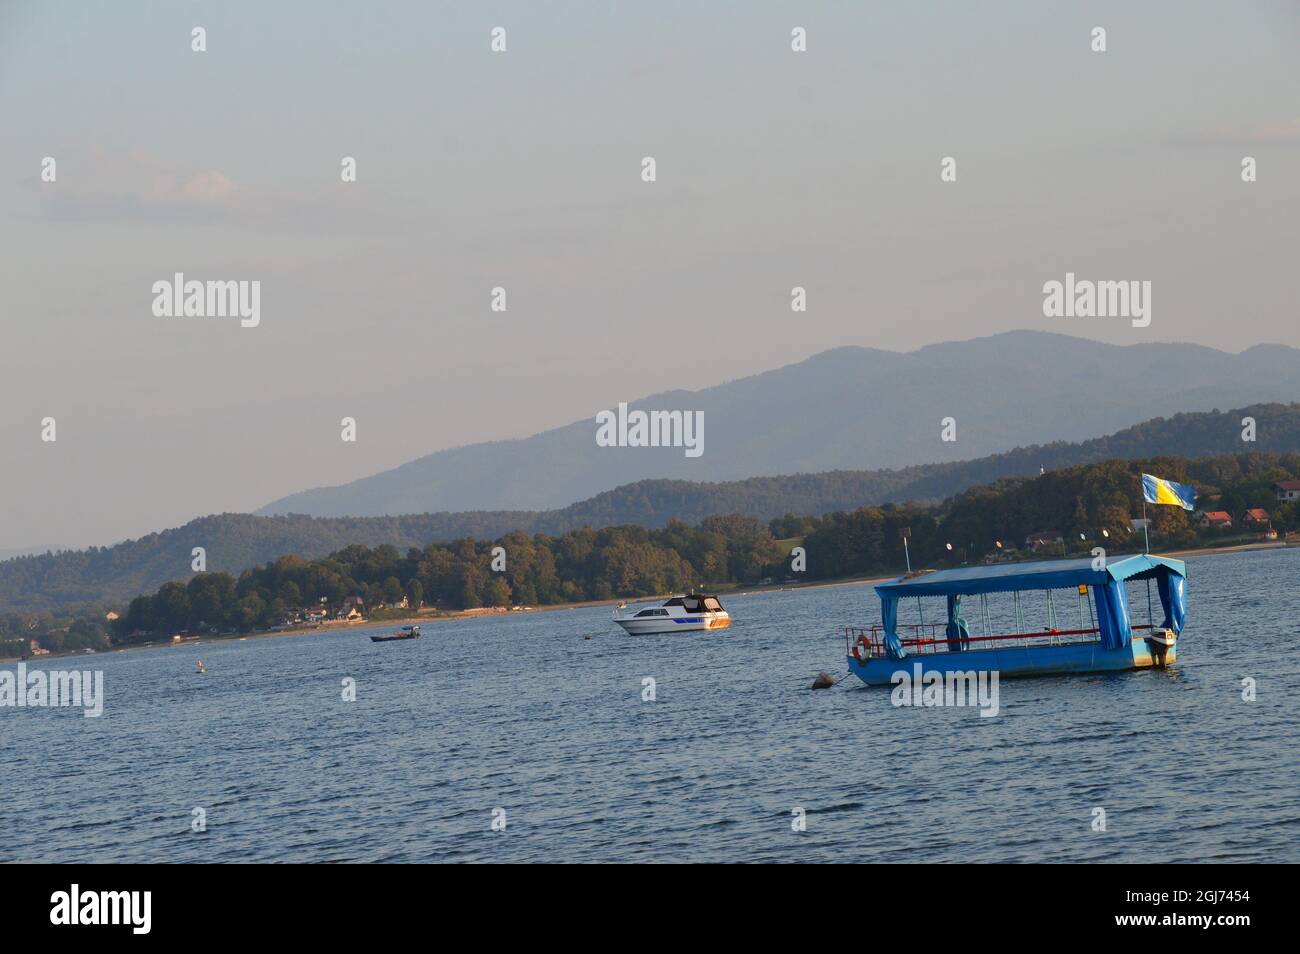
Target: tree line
[
  {"x": 536, "y": 569},
  {"x": 235, "y": 541},
  {"x": 632, "y": 561}
]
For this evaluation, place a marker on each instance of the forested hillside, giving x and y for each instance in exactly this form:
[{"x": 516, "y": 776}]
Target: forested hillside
[
  {"x": 233, "y": 542},
  {"x": 1086, "y": 506}
]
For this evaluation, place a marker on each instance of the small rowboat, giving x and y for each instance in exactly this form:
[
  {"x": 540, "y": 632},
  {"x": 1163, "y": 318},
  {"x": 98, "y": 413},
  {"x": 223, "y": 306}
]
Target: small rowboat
[{"x": 406, "y": 632}]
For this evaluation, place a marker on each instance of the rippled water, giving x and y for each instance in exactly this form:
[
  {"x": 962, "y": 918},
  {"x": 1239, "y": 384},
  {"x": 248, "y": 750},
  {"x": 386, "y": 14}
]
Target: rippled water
[{"x": 527, "y": 714}]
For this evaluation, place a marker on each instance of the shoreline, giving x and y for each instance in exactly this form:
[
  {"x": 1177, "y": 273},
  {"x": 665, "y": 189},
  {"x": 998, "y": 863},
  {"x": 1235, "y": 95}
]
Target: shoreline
[{"x": 437, "y": 617}]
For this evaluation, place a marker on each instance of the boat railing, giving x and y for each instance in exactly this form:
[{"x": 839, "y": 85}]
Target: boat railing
[{"x": 932, "y": 638}]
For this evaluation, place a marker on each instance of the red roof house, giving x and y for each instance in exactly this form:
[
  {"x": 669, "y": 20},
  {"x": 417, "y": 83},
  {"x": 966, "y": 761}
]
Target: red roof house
[{"x": 1216, "y": 518}]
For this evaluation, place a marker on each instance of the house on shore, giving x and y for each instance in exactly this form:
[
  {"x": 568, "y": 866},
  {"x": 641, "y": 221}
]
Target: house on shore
[
  {"x": 1216, "y": 519},
  {"x": 1255, "y": 517},
  {"x": 1287, "y": 490}
]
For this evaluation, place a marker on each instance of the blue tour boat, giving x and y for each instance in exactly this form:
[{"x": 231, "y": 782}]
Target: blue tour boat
[{"x": 1105, "y": 640}]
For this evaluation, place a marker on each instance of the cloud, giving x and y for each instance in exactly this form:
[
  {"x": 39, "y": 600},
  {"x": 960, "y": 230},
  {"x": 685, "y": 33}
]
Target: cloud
[
  {"x": 101, "y": 186},
  {"x": 200, "y": 189},
  {"x": 1277, "y": 132},
  {"x": 97, "y": 185},
  {"x": 1285, "y": 132}
]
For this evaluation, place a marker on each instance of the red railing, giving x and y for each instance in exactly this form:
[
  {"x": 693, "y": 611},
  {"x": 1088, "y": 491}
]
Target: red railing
[{"x": 937, "y": 640}]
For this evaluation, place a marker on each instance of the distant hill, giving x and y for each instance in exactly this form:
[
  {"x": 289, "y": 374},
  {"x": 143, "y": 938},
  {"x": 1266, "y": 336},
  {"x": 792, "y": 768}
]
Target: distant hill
[
  {"x": 8, "y": 553},
  {"x": 850, "y": 408},
  {"x": 1087, "y": 504},
  {"x": 234, "y": 542}
]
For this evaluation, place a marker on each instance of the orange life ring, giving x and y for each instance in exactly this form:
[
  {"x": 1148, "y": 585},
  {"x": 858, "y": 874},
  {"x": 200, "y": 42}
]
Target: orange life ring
[{"x": 862, "y": 644}]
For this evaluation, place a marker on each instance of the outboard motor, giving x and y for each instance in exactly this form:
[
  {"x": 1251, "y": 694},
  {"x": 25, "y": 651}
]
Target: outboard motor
[{"x": 1160, "y": 642}]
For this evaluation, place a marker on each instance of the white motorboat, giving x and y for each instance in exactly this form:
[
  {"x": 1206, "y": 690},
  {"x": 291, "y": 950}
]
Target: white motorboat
[{"x": 694, "y": 611}]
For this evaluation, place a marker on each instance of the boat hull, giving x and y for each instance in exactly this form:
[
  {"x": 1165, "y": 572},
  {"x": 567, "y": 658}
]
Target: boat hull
[
  {"x": 687, "y": 624},
  {"x": 391, "y": 639},
  {"x": 1015, "y": 661}
]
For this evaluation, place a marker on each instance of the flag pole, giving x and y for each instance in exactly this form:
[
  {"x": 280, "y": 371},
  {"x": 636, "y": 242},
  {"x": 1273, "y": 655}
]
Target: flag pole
[{"x": 1146, "y": 534}]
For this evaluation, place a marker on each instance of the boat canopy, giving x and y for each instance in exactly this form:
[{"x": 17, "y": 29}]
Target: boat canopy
[{"x": 1107, "y": 583}]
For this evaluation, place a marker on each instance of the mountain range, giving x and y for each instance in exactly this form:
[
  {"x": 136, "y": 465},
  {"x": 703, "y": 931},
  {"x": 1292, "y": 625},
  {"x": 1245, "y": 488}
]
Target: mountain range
[
  {"x": 850, "y": 408},
  {"x": 234, "y": 542}
]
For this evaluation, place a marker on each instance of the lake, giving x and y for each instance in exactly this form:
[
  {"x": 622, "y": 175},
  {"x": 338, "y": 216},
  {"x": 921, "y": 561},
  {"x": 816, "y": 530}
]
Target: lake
[{"x": 526, "y": 714}]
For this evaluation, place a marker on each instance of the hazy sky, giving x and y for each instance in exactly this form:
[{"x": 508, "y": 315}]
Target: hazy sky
[{"x": 522, "y": 170}]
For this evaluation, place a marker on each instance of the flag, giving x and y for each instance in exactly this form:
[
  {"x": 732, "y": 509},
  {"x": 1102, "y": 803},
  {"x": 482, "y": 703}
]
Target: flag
[{"x": 1156, "y": 490}]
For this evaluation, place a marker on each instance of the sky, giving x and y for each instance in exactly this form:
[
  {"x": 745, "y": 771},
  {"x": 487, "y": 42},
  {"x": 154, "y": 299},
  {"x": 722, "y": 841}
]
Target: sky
[{"x": 522, "y": 170}]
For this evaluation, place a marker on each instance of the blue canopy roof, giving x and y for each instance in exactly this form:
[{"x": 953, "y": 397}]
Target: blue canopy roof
[{"x": 1041, "y": 575}]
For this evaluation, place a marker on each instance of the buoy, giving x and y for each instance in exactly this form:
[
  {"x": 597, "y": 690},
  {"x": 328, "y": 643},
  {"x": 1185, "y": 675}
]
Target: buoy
[{"x": 823, "y": 681}]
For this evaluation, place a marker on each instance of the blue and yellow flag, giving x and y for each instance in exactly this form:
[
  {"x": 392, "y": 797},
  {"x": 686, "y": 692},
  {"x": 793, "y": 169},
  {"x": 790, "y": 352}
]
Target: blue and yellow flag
[{"x": 1156, "y": 490}]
